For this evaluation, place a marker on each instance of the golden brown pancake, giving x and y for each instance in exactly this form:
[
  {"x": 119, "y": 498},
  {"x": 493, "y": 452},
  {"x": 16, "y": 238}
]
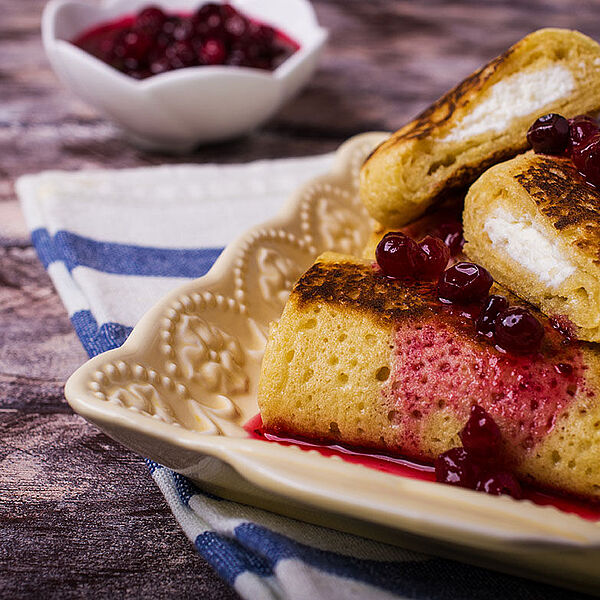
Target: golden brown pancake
[
  {"x": 534, "y": 223},
  {"x": 362, "y": 359},
  {"x": 482, "y": 121}
]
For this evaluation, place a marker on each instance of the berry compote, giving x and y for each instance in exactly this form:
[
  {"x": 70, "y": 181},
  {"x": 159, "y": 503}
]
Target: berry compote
[
  {"x": 478, "y": 465},
  {"x": 153, "y": 41}
]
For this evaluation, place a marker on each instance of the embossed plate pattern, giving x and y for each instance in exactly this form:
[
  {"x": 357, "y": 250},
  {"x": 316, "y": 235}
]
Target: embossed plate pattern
[{"x": 184, "y": 383}]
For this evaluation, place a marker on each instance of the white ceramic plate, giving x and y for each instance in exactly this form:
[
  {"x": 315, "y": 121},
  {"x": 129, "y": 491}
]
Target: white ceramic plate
[{"x": 182, "y": 386}]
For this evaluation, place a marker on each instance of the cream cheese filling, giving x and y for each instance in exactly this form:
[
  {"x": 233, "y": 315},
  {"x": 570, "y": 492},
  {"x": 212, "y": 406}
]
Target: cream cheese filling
[
  {"x": 527, "y": 245},
  {"x": 516, "y": 96}
]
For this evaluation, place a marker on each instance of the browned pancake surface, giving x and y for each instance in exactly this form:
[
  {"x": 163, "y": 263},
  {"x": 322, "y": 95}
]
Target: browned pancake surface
[{"x": 563, "y": 195}]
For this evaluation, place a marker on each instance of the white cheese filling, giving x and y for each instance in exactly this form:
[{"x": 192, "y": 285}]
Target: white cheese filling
[
  {"x": 527, "y": 245},
  {"x": 517, "y": 96}
]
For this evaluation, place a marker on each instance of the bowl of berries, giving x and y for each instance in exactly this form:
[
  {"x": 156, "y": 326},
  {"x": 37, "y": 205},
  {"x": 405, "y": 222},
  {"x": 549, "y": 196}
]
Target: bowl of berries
[{"x": 179, "y": 73}]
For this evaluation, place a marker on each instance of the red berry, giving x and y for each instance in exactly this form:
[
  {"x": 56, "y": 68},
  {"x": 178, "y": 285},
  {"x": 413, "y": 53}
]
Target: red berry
[
  {"x": 481, "y": 435},
  {"x": 236, "y": 26},
  {"x": 464, "y": 282},
  {"x": 581, "y": 128},
  {"x": 564, "y": 369},
  {"x": 437, "y": 257},
  {"x": 493, "y": 306},
  {"x": 499, "y": 482},
  {"x": 580, "y": 152},
  {"x": 518, "y": 331},
  {"x": 213, "y": 52},
  {"x": 150, "y": 20},
  {"x": 591, "y": 166},
  {"x": 208, "y": 20},
  {"x": 452, "y": 235},
  {"x": 160, "y": 65},
  {"x": 229, "y": 11},
  {"x": 168, "y": 28},
  {"x": 265, "y": 33},
  {"x": 549, "y": 134},
  {"x": 399, "y": 256},
  {"x": 137, "y": 45},
  {"x": 457, "y": 467},
  {"x": 184, "y": 29},
  {"x": 181, "y": 54}
]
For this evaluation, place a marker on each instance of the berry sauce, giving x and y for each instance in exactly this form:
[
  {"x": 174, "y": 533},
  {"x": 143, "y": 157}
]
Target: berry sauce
[
  {"x": 153, "y": 42},
  {"x": 403, "y": 467},
  {"x": 524, "y": 393}
]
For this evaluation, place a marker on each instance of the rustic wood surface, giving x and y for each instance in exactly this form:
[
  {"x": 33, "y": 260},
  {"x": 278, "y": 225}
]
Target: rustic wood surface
[{"x": 79, "y": 515}]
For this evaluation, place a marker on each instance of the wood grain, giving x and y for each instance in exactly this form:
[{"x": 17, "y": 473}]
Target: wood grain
[{"x": 79, "y": 516}]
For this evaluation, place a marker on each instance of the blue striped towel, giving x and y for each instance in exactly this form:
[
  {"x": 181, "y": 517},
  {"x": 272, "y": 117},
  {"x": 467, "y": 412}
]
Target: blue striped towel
[{"x": 113, "y": 243}]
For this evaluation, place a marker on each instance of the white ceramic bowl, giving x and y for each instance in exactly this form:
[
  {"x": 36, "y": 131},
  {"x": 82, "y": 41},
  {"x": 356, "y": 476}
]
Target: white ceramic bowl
[{"x": 178, "y": 110}]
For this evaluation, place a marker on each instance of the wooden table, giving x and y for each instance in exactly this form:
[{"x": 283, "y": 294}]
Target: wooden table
[{"x": 79, "y": 514}]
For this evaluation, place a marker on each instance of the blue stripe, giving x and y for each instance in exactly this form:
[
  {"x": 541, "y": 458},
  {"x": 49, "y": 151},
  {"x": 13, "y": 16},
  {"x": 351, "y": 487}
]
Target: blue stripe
[
  {"x": 98, "y": 339},
  {"x": 185, "y": 488},
  {"x": 122, "y": 259},
  {"x": 152, "y": 466},
  {"x": 229, "y": 558},
  {"x": 434, "y": 578},
  {"x": 44, "y": 246}
]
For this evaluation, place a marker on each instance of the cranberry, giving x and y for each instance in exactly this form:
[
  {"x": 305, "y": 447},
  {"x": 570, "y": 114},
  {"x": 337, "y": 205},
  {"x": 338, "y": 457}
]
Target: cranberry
[
  {"x": 499, "y": 482},
  {"x": 213, "y": 52},
  {"x": 549, "y": 134},
  {"x": 452, "y": 235},
  {"x": 236, "y": 57},
  {"x": 208, "y": 20},
  {"x": 579, "y": 153},
  {"x": 464, "y": 282},
  {"x": 184, "y": 30},
  {"x": 136, "y": 45},
  {"x": 438, "y": 255},
  {"x": 181, "y": 54},
  {"x": 517, "y": 330},
  {"x": 265, "y": 34},
  {"x": 236, "y": 26},
  {"x": 150, "y": 20},
  {"x": 139, "y": 73},
  {"x": 481, "y": 435},
  {"x": 229, "y": 11},
  {"x": 252, "y": 50},
  {"x": 210, "y": 9},
  {"x": 581, "y": 128},
  {"x": 160, "y": 65},
  {"x": 169, "y": 26},
  {"x": 564, "y": 369},
  {"x": 493, "y": 306},
  {"x": 591, "y": 164},
  {"x": 399, "y": 256},
  {"x": 457, "y": 467}
]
